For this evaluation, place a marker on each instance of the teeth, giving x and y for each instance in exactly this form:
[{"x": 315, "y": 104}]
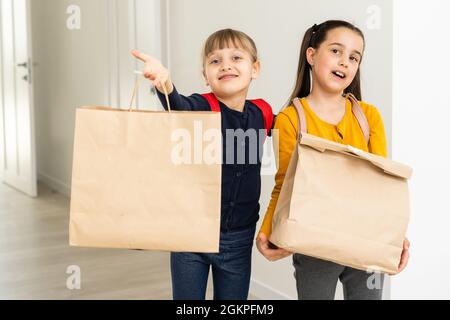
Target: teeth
[
  {"x": 340, "y": 74},
  {"x": 228, "y": 76}
]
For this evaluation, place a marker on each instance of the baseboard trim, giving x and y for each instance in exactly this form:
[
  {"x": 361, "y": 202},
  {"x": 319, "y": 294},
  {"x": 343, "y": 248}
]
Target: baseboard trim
[
  {"x": 265, "y": 292},
  {"x": 54, "y": 183}
]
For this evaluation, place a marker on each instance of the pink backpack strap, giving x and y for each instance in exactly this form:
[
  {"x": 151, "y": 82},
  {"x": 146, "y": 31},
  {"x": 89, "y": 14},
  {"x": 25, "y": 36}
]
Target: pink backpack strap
[
  {"x": 302, "y": 124},
  {"x": 360, "y": 116},
  {"x": 356, "y": 109},
  {"x": 212, "y": 100},
  {"x": 267, "y": 112}
]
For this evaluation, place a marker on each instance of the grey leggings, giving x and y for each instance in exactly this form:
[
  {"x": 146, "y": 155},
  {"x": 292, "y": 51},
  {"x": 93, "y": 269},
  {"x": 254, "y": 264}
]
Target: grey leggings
[{"x": 317, "y": 280}]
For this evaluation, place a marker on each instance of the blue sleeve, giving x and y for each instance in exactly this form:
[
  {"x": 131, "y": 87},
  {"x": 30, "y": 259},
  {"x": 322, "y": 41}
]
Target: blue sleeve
[{"x": 179, "y": 102}]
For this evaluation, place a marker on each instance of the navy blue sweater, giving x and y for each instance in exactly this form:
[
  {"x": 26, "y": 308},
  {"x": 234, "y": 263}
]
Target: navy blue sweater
[{"x": 241, "y": 180}]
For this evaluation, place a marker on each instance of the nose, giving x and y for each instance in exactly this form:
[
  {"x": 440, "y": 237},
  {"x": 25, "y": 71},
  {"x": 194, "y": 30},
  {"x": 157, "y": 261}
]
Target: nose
[
  {"x": 343, "y": 63},
  {"x": 225, "y": 67}
]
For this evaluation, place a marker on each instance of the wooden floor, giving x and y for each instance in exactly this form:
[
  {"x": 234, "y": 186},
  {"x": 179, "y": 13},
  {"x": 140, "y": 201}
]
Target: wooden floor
[{"x": 35, "y": 255}]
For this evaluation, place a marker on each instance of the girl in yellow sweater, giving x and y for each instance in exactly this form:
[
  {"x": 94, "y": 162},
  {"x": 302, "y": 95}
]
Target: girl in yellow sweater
[{"x": 330, "y": 55}]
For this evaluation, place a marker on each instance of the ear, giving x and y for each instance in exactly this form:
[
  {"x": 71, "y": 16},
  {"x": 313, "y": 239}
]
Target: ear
[
  {"x": 310, "y": 53},
  {"x": 256, "y": 68},
  {"x": 206, "y": 78}
]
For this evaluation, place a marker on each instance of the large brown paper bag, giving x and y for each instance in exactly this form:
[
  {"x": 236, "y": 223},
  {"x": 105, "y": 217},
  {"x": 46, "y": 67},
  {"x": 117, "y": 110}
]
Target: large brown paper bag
[
  {"x": 127, "y": 192},
  {"x": 344, "y": 205}
]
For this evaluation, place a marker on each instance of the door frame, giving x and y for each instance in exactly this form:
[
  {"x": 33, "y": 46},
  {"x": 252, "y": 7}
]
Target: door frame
[
  {"x": 31, "y": 187},
  {"x": 133, "y": 14}
]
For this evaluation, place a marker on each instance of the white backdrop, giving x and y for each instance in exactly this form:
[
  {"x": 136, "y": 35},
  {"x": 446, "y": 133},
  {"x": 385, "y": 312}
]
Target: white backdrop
[{"x": 420, "y": 133}]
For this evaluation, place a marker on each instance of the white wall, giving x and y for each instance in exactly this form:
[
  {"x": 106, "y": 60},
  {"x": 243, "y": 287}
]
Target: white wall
[
  {"x": 71, "y": 71},
  {"x": 277, "y": 28},
  {"x": 421, "y": 114},
  {"x": 89, "y": 66}
]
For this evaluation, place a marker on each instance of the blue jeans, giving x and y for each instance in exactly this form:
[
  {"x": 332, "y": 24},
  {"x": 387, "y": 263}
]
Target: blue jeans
[{"x": 231, "y": 269}]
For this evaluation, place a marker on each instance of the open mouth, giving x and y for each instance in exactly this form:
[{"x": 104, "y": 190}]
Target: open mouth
[
  {"x": 228, "y": 77},
  {"x": 339, "y": 74}
]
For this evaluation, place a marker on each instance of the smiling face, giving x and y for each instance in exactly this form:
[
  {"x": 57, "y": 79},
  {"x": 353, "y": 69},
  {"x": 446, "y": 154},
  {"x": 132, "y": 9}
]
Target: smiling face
[
  {"x": 229, "y": 71},
  {"x": 336, "y": 61}
]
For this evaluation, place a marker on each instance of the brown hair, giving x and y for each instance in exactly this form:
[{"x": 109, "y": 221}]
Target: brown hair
[
  {"x": 314, "y": 37},
  {"x": 227, "y": 38}
]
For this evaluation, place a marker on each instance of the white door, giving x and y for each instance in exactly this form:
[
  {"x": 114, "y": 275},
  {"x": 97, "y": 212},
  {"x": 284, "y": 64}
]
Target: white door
[{"x": 17, "y": 153}]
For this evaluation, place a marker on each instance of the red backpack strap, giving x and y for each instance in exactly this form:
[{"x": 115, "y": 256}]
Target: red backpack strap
[
  {"x": 267, "y": 112},
  {"x": 262, "y": 105},
  {"x": 212, "y": 100}
]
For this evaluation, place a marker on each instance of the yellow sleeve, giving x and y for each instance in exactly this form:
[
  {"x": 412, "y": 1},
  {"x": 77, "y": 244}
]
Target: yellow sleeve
[
  {"x": 287, "y": 137},
  {"x": 377, "y": 142}
]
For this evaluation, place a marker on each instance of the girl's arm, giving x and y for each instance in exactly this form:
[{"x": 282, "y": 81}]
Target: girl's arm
[
  {"x": 286, "y": 124},
  {"x": 155, "y": 72},
  {"x": 160, "y": 77},
  {"x": 284, "y": 142},
  {"x": 377, "y": 141},
  {"x": 177, "y": 101}
]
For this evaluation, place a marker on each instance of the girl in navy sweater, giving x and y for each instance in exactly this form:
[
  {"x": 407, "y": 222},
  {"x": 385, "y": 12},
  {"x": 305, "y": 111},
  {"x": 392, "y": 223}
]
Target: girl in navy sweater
[{"x": 230, "y": 63}]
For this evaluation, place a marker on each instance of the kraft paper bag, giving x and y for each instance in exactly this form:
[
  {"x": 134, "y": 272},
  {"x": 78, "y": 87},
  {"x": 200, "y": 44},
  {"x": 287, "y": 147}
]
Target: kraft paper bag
[
  {"x": 344, "y": 205},
  {"x": 127, "y": 190}
]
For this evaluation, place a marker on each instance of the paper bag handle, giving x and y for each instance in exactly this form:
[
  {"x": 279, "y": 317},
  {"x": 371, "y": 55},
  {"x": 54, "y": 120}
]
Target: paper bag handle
[{"x": 136, "y": 88}]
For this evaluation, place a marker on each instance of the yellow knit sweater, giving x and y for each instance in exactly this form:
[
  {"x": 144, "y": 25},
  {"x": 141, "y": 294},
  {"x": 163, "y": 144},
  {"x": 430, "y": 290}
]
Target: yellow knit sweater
[{"x": 347, "y": 131}]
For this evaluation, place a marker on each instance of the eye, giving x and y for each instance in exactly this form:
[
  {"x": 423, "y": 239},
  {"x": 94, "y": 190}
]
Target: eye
[
  {"x": 236, "y": 58},
  {"x": 214, "y": 61},
  {"x": 335, "y": 51},
  {"x": 354, "y": 59}
]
